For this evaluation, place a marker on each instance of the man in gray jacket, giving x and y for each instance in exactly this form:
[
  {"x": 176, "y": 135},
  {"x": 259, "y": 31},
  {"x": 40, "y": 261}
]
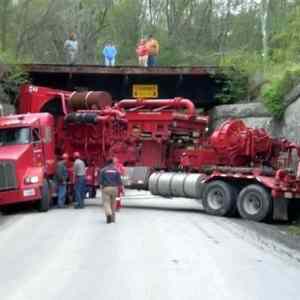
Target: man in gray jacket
[
  {"x": 79, "y": 180},
  {"x": 61, "y": 176}
]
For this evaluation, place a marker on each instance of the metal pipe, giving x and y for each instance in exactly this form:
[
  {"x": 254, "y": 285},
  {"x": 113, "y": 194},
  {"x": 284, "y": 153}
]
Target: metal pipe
[
  {"x": 113, "y": 112},
  {"x": 1, "y": 110},
  {"x": 63, "y": 103},
  {"x": 176, "y": 103},
  {"x": 90, "y": 100}
]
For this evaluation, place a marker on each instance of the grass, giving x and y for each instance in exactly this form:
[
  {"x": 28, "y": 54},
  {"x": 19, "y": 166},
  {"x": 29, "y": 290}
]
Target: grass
[{"x": 294, "y": 230}]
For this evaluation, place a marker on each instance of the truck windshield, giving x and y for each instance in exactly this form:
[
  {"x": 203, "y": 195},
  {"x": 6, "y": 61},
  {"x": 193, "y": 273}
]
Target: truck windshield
[{"x": 14, "y": 136}]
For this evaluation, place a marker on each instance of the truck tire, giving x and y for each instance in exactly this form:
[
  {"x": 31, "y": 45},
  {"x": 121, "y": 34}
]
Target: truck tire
[
  {"x": 254, "y": 203},
  {"x": 219, "y": 198},
  {"x": 44, "y": 203}
]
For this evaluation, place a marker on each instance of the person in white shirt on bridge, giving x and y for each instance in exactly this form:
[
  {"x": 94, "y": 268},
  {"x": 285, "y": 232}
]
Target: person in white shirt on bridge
[{"x": 71, "y": 49}]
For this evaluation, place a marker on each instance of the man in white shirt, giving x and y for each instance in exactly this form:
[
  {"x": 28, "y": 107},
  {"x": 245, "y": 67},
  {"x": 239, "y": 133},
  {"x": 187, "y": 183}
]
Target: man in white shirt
[{"x": 71, "y": 49}]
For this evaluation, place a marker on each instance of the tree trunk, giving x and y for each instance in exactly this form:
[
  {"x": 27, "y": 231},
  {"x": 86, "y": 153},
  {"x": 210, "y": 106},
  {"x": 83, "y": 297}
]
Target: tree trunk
[
  {"x": 4, "y": 20},
  {"x": 264, "y": 14}
]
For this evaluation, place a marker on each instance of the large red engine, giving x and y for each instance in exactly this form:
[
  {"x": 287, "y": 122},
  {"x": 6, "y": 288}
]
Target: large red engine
[
  {"x": 236, "y": 145},
  {"x": 159, "y": 131}
]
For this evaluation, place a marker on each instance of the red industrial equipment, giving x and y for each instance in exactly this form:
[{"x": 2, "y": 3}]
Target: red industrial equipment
[
  {"x": 235, "y": 169},
  {"x": 239, "y": 168},
  {"x": 159, "y": 131},
  {"x": 66, "y": 122}
]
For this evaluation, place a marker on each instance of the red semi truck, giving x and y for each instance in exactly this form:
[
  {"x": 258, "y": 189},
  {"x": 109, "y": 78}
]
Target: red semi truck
[
  {"x": 27, "y": 159},
  {"x": 235, "y": 169},
  {"x": 49, "y": 123}
]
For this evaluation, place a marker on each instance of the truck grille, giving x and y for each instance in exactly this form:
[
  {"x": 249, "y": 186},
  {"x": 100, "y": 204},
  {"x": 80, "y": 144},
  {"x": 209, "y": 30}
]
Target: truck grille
[{"x": 8, "y": 178}]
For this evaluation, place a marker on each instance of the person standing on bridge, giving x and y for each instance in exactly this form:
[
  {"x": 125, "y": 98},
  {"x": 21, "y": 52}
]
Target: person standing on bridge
[
  {"x": 71, "y": 49},
  {"x": 61, "y": 177},
  {"x": 153, "y": 51},
  {"x": 110, "y": 182},
  {"x": 109, "y": 52},
  {"x": 79, "y": 181},
  {"x": 142, "y": 53}
]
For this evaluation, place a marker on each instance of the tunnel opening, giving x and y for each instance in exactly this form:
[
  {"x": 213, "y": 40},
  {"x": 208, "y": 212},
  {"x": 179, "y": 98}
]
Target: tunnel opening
[{"x": 199, "y": 84}]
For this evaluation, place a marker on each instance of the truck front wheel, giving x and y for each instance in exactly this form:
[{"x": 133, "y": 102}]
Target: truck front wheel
[
  {"x": 44, "y": 203},
  {"x": 219, "y": 198},
  {"x": 254, "y": 203}
]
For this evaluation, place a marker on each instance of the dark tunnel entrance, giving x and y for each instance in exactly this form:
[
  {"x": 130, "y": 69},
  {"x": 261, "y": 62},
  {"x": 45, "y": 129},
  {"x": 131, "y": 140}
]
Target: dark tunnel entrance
[{"x": 199, "y": 84}]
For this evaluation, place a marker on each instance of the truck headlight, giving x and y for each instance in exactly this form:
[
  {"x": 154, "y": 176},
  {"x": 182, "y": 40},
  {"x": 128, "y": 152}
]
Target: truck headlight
[{"x": 31, "y": 179}]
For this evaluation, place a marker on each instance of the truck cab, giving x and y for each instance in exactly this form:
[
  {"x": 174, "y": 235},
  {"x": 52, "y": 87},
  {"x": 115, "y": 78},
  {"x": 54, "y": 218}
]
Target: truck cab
[{"x": 27, "y": 160}]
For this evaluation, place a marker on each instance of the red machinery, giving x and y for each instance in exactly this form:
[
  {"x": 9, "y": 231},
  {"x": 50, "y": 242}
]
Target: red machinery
[
  {"x": 238, "y": 168},
  {"x": 233, "y": 144},
  {"x": 159, "y": 131},
  {"x": 78, "y": 122},
  {"x": 85, "y": 122}
]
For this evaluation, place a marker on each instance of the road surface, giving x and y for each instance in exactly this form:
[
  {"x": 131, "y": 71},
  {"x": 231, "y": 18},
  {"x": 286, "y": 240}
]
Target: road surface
[{"x": 175, "y": 252}]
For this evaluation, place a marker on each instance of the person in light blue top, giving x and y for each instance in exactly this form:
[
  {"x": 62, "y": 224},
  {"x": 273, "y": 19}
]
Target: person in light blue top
[{"x": 109, "y": 52}]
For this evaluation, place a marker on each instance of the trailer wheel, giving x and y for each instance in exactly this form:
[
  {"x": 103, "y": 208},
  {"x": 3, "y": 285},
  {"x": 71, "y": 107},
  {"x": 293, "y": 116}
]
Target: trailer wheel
[
  {"x": 254, "y": 203},
  {"x": 219, "y": 198},
  {"x": 44, "y": 203}
]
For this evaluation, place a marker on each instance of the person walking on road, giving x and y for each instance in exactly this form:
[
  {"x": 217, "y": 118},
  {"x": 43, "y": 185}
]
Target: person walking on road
[
  {"x": 61, "y": 176},
  {"x": 153, "y": 51},
  {"x": 79, "y": 180},
  {"x": 109, "y": 181},
  {"x": 71, "y": 49},
  {"x": 109, "y": 52}
]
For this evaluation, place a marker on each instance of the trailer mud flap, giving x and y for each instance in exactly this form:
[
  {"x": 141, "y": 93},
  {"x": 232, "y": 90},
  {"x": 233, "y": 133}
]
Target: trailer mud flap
[{"x": 280, "y": 209}]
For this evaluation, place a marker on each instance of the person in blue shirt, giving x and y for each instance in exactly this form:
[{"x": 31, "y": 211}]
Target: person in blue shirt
[{"x": 109, "y": 52}]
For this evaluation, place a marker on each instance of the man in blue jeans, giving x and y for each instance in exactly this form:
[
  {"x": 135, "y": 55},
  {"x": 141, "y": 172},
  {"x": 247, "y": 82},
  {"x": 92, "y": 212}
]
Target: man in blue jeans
[
  {"x": 61, "y": 176},
  {"x": 79, "y": 181}
]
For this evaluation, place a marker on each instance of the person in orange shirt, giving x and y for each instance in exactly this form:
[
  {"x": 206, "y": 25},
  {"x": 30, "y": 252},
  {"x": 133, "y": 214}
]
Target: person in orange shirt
[
  {"x": 153, "y": 51},
  {"x": 142, "y": 53}
]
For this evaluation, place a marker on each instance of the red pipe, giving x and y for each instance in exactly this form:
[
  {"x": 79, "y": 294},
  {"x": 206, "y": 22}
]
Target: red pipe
[
  {"x": 176, "y": 103},
  {"x": 63, "y": 100},
  {"x": 112, "y": 112},
  {"x": 106, "y": 112}
]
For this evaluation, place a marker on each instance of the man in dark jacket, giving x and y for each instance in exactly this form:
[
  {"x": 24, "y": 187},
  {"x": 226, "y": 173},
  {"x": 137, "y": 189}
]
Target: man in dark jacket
[
  {"x": 61, "y": 176},
  {"x": 110, "y": 182}
]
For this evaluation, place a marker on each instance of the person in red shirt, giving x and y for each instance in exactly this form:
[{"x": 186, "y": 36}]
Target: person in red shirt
[
  {"x": 142, "y": 53},
  {"x": 121, "y": 169}
]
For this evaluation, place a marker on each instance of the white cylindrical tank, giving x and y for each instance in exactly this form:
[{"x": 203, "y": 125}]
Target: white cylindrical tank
[{"x": 193, "y": 186}]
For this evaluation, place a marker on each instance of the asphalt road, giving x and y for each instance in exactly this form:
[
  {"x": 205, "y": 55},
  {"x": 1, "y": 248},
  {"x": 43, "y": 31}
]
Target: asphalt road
[{"x": 158, "y": 249}]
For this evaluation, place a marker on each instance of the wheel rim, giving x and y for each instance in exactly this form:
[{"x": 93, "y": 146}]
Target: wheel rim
[
  {"x": 252, "y": 204},
  {"x": 215, "y": 199}
]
